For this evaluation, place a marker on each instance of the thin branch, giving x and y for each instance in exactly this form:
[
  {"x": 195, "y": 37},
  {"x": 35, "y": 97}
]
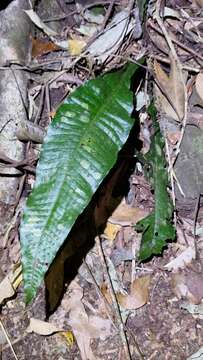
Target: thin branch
[{"x": 114, "y": 300}]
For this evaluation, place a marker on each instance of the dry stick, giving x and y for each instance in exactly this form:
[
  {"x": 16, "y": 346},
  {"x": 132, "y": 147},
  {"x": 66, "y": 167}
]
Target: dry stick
[
  {"x": 106, "y": 304},
  {"x": 8, "y": 340},
  {"x": 196, "y": 214},
  {"x": 47, "y": 96},
  {"x": 41, "y": 103},
  {"x": 166, "y": 61},
  {"x": 107, "y": 15},
  {"x": 183, "y": 46},
  {"x": 114, "y": 300}
]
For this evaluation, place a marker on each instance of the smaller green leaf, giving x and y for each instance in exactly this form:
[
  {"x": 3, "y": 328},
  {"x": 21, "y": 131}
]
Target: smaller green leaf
[{"x": 156, "y": 227}]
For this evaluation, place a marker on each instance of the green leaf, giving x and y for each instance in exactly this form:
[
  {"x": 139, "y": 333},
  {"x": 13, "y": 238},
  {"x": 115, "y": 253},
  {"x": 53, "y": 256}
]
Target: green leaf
[
  {"x": 80, "y": 148},
  {"x": 156, "y": 227}
]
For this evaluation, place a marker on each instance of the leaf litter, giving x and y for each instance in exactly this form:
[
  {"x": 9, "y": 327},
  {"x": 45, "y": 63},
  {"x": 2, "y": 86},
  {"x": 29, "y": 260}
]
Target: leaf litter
[{"x": 162, "y": 325}]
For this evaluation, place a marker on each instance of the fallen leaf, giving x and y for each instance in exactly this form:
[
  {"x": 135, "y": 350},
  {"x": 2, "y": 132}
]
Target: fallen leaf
[
  {"x": 109, "y": 41},
  {"x": 41, "y": 47},
  {"x": 111, "y": 230},
  {"x": 10, "y": 283},
  {"x": 125, "y": 215},
  {"x": 6, "y": 289},
  {"x": 199, "y": 354},
  {"x": 139, "y": 294},
  {"x": 42, "y": 327},
  {"x": 83, "y": 326},
  {"x": 199, "y": 87},
  {"x": 182, "y": 260},
  {"x": 69, "y": 337},
  {"x": 39, "y": 23},
  {"x": 195, "y": 310},
  {"x": 171, "y": 96},
  {"x": 169, "y": 12}
]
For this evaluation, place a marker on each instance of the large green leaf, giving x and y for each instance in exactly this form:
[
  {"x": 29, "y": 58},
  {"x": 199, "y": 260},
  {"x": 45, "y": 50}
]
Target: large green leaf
[
  {"x": 80, "y": 148},
  {"x": 156, "y": 227}
]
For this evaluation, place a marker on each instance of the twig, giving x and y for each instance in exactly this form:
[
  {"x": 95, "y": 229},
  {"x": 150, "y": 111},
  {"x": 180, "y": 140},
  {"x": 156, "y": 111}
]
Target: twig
[
  {"x": 183, "y": 46},
  {"x": 107, "y": 306},
  {"x": 4, "y": 125},
  {"x": 8, "y": 340},
  {"x": 85, "y": 7},
  {"x": 114, "y": 300},
  {"x": 47, "y": 96},
  {"x": 196, "y": 214},
  {"x": 167, "y": 61},
  {"x": 107, "y": 15},
  {"x": 40, "y": 107}
]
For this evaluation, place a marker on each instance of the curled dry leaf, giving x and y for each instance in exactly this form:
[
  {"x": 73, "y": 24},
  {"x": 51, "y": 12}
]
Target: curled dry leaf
[
  {"x": 171, "y": 94},
  {"x": 139, "y": 294},
  {"x": 42, "y": 327}
]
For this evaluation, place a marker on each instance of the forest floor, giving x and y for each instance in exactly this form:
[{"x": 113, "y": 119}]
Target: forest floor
[{"x": 107, "y": 304}]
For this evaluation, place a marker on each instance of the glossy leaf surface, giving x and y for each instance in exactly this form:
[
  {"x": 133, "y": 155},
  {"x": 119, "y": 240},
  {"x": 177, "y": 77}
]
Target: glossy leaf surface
[
  {"x": 157, "y": 227},
  {"x": 80, "y": 148}
]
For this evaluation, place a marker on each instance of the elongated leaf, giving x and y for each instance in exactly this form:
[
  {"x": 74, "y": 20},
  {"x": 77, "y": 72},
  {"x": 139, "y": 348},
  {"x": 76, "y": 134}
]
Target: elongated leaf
[
  {"x": 157, "y": 227},
  {"x": 80, "y": 148}
]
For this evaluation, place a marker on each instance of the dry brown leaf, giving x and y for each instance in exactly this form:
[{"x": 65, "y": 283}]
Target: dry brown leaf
[
  {"x": 171, "y": 97},
  {"x": 126, "y": 215},
  {"x": 139, "y": 294},
  {"x": 42, "y": 47},
  {"x": 42, "y": 327}
]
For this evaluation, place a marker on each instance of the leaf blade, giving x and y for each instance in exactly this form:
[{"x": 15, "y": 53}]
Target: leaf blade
[
  {"x": 80, "y": 148},
  {"x": 156, "y": 227}
]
